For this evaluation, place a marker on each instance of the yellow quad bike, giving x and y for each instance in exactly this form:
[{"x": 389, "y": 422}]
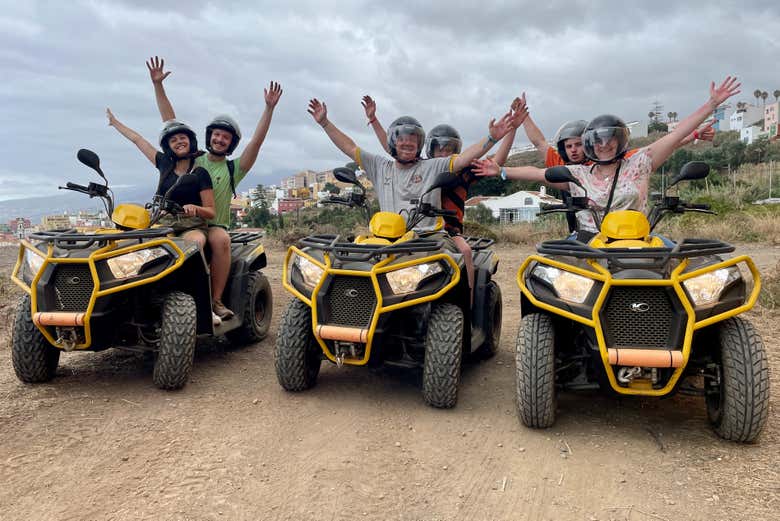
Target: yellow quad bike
[
  {"x": 134, "y": 287},
  {"x": 394, "y": 296},
  {"x": 631, "y": 312}
]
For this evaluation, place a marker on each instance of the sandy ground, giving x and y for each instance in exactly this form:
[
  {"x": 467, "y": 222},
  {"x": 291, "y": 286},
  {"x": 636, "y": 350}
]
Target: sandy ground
[{"x": 100, "y": 442}]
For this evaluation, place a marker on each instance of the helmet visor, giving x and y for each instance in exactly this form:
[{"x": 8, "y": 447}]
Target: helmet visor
[
  {"x": 451, "y": 145},
  {"x": 603, "y": 137}
]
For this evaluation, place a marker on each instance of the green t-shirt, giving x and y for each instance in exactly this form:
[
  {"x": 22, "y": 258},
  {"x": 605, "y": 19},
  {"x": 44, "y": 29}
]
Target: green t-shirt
[{"x": 220, "y": 180}]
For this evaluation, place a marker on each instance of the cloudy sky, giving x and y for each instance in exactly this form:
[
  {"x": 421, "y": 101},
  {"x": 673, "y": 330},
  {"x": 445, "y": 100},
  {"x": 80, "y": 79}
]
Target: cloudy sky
[{"x": 63, "y": 63}]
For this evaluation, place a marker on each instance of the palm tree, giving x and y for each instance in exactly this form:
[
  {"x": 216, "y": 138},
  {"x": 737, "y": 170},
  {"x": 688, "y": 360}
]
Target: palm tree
[
  {"x": 674, "y": 115},
  {"x": 651, "y": 115},
  {"x": 757, "y": 94},
  {"x": 764, "y": 96},
  {"x": 776, "y": 94},
  {"x": 669, "y": 115}
]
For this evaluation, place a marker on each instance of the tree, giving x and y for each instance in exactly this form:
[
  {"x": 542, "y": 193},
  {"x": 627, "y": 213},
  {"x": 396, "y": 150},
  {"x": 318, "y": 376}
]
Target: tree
[
  {"x": 776, "y": 94},
  {"x": 481, "y": 214},
  {"x": 757, "y": 94},
  {"x": 330, "y": 187},
  {"x": 764, "y": 96}
]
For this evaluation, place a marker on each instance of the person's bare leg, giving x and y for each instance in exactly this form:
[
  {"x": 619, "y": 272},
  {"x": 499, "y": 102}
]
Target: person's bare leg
[
  {"x": 468, "y": 258},
  {"x": 195, "y": 236},
  {"x": 219, "y": 241}
]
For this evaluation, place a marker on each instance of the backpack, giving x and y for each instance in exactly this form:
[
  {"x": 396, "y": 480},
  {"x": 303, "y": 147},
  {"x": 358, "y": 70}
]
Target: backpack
[{"x": 231, "y": 164}]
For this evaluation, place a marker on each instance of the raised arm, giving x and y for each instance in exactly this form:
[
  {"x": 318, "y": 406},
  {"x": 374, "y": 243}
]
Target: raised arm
[
  {"x": 489, "y": 168},
  {"x": 496, "y": 131},
  {"x": 249, "y": 155},
  {"x": 506, "y": 144},
  {"x": 143, "y": 145},
  {"x": 155, "y": 66},
  {"x": 369, "y": 105},
  {"x": 319, "y": 111},
  {"x": 660, "y": 150},
  {"x": 535, "y": 135}
]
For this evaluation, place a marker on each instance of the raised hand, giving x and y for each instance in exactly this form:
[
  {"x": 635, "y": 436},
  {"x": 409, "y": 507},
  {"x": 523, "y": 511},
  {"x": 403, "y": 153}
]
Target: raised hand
[
  {"x": 369, "y": 105},
  {"x": 519, "y": 112},
  {"x": 518, "y": 102},
  {"x": 319, "y": 111},
  {"x": 485, "y": 168},
  {"x": 499, "y": 129},
  {"x": 155, "y": 66},
  {"x": 707, "y": 133},
  {"x": 111, "y": 119},
  {"x": 272, "y": 94},
  {"x": 727, "y": 89}
]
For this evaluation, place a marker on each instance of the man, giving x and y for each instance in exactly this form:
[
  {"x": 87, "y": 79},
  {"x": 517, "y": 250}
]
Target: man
[
  {"x": 399, "y": 180},
  {"x": 222, "y": 137}
]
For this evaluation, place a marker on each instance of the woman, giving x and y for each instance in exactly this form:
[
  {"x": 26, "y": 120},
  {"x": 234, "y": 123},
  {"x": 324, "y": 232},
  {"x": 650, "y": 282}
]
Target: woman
[
  {"x": 614, "y": 182},
  {"x": 194, "y": 192}
]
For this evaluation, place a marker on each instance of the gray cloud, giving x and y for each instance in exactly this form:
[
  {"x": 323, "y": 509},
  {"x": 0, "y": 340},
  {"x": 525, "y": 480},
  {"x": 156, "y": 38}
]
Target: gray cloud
[{"x": 455, "y": 62}]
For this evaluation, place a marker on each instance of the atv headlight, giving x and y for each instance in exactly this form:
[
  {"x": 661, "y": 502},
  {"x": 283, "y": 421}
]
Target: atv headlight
[
  {"x": 706, "y": 288},
  {"x": 406, "y": 280},
  {"x": 310, "y": 272},
  {"x": 567, "y": 285},
  {"x": 31, "y": 265},
  {"x": 130, "y": 264}
]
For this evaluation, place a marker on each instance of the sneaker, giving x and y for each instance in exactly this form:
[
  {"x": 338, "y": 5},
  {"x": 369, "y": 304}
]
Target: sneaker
[
  {"x": 220, "y": 310},
  {"x": 215, "y": 319}
]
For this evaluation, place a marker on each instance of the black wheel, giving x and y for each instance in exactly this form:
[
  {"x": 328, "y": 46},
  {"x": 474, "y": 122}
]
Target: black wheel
[
  {"x": 297, "y": 357},
  {"x": 738, "y": 386},
  {"x": 443, "y": 355},
  {"x": 34, "y": 359},
  {"x": 494, "y": 317},
  {"x": 178, "y": 316},
  {"x": 258, "y": 307},
  {"x": 535, "y": 371}
]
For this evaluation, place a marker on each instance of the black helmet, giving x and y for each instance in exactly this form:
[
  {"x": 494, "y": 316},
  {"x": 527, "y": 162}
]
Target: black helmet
[
  {"x": 442, "y": 135},
  {"x": 404, "y": 126},
  {"x": 174, "y": 126},
  {"x": 568, "y": 130},
  {"x": 603, "y": 128},
  {"x": 228, "y": 124}
]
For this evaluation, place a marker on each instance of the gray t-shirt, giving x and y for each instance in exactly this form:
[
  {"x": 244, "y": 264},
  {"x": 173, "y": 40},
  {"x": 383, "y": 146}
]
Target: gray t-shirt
[{"x": 395, "y": 187}]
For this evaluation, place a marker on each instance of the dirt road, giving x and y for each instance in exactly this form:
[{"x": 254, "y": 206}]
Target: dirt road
[{"x": 100, "y": 442}]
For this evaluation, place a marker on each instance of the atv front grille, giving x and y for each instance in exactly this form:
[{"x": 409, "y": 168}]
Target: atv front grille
[
  {"x": 350, "y": 301},
  {"x": 642, "y": 317},
  {"x": 73, "y": 287}
]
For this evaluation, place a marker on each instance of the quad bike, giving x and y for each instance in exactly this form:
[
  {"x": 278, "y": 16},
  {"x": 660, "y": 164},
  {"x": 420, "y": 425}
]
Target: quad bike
[
  {"x": 631, "y": 312},
  {"x": 134, "y": 287},
  {"x": 394, "y": 296}
]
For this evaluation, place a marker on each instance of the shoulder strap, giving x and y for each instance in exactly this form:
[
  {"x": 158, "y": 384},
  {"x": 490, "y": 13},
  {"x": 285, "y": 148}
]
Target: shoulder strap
[{"x": 231, "y": 164}]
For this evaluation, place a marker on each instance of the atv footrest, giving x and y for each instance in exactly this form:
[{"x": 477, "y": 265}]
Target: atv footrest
[{"x": 244, "y": 237}]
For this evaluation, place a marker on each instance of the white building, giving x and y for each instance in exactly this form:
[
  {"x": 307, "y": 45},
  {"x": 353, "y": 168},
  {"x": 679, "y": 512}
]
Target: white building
[
  {"x": 750, "y": 134},
  {"x": 522, "y": 206},
  {"x": 746, "y": 117}
]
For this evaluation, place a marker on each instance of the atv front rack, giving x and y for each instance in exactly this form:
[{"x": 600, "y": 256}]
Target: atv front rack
[
  {"x": 244, "y": 237},
  {"x": 654, "y": 257},
  {"x": 479, "y": 243},
  {"x": 70, "y": 239},
  {"x": 349, "y": 251}
]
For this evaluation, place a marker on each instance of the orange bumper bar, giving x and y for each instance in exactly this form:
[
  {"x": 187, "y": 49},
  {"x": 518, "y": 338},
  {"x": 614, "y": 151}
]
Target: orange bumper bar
[
  {"x": 58, "y": 319},
  {"x": 645, "y": 357},
  {"x": 344, "y": 334}
]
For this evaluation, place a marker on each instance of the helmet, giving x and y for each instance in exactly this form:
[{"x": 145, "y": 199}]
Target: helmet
[
  {"x": 404, "y": 126},
  {"x": 442, "y": 135},
  {"x": 568, "y": 130},
  {"x": 602, "y": 129},
  {"x": 224, "y": 122},
  {"x": 174, "y": 126}
]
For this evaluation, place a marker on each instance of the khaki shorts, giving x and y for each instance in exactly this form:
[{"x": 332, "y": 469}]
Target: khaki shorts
[{"x": 181, "y": 224}]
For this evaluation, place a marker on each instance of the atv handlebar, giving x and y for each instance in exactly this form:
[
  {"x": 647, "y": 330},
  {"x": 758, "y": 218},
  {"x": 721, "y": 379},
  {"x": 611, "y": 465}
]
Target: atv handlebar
[{"x": 74, "y": 186}]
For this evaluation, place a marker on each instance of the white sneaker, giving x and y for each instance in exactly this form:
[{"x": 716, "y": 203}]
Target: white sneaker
[{"x": 215, "y": 319}]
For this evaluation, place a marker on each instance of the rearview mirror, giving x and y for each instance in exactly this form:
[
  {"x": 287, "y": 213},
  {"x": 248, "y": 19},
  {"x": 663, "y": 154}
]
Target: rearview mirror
[
  {"x": 345, "y": 175},
  {"x": 691, "y": 171},
  {"x": 90, "y": 159},
  {"x": 560, "y": 174}
]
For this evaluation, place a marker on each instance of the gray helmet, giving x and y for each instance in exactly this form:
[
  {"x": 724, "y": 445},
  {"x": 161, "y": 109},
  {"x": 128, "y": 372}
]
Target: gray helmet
[
  {"x": 224, "y": 122},
  {"x": 603, "y": 128},
  {"x": 174, "y": 126},
  {"x": 405, "y": 126},
  {"x": 568, "y": 130},
  {"x": 442, "y": 135}
]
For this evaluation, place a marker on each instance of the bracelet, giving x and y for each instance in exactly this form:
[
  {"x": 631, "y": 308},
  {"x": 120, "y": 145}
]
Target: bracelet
[
  {"x": 370, "y": 121},
  {"x": 503, "y": 173},
  {"x": 695, "y": 134},
  {"x": 491, "y": 140}
]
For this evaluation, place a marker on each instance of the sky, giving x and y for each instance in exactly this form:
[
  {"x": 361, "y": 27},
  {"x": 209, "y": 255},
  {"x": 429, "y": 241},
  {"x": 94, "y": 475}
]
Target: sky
[{"x": 462, "y": 63}]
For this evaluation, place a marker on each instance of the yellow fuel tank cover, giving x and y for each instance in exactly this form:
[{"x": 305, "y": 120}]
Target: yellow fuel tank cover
[
  {"x": 131, "y": 216},
  {"x": 625, "y": 224},
  {"x": 388, "y": 225}
]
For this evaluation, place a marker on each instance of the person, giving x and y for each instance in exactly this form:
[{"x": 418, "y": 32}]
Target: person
[
  {"x": 194, "y": 193},
  {"x": 443, "y": 141},
  {"x": 222, "y": 137},
  {"x": 612, "y": 181}
]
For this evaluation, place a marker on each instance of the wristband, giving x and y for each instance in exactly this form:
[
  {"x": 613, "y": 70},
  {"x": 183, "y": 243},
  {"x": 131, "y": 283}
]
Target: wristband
[
  {"x": 491, "y": 140},
  {"x": 695, "y": 134},
  {"x": 370, "y": 121},
  {"x": 503, "y": 173}
]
